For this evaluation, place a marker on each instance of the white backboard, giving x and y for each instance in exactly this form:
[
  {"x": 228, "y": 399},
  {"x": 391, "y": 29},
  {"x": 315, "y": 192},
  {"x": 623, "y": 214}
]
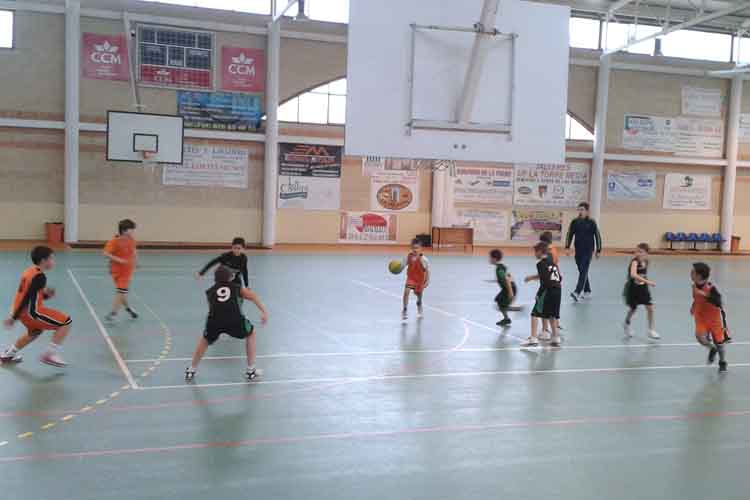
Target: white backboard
[
  {"x": 524, "y": 85},
  {"x": 130, "y": 134}
]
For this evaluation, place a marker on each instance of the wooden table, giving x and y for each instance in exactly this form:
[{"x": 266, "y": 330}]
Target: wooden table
[{"x": 450, "y": 236}]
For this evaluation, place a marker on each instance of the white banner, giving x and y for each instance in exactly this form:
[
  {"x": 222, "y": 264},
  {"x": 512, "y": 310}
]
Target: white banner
[
  {"x": 648, "y": 133},
  {"x": 682, "y": 136},
  {"x": 687, "y": 192},
  {"x": 394, "y": 191},
  {"x": 490, "y": 226},
  {"x": 744, "y": 132},
  {"x": 474, "y": 184},
  {"x": 631, "y": 186},
  {"x": 367, "y": 227},
  {"x": 372, "y": 164},
  {"x": 310, "y": 193},
  {"x": 204, "y": 165},
  {"x": 551, "y": 185},
  {"x": 701, "y": 102}
]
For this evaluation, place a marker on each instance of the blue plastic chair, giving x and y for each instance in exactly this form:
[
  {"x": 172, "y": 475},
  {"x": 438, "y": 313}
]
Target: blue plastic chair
[
  {"x": 704, "y": 238},
  {"x": 681, "y": 238},
  {"x": 693, "y": 238},
  {"x": 716, "y": 238},
  {"x": 670, "y": 237}
]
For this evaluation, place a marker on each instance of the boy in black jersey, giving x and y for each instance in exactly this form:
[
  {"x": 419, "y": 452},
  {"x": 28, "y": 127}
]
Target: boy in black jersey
[
  {"x": 235, "y": 261},
  {"x": 225, "y": 317},
  {"x": 548, "y": 297},
  {"x": 507, "y": 294},
  {"x": 636, "y": 291}
]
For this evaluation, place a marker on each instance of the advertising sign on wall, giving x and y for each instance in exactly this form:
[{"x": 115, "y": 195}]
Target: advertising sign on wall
[
  {"x": 527, "y": 225},
  {"x": 105, "y": 57},
  {"x": 243, "y": 70},
  {"x": 682, "y": 136},
  {"x": 687, "y": 192},
  {"x": 564, "y": 185},
  {"x": 367, "y": 227},
  {"x": 631, "y": 186},
  {"x": 490, "y": 226},
  {"x": 394, "y": 191},
  {"x": 219, "y": 110},
  {"x": 474, "y": 184},
  {"x": 701, "y": 102},
  {"x": 309, "y": 177},
  {"x": 205, "y": 165}
]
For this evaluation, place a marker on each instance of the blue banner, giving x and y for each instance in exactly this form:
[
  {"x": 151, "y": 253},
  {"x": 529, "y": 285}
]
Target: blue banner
[{"x": 219, "y": 110}]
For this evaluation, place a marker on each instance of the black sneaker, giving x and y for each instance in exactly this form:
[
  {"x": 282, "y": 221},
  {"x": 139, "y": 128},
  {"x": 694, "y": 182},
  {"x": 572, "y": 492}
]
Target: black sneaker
[
  {"x": 504, "y": 322},
  {"x": 189, "y": 374},
  {"x": 712, "y": 355},
  {"x": 575, "y": 297},
  {"x": 722, "y": 366},
  {"x": 133, "y": 314},
  {"x": 251, "y": 375}
]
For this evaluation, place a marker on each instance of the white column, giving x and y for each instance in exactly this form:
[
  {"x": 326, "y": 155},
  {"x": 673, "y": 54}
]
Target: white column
[
  {"x": 600, "y": 134},
  {"x": 72, "y": 118},
  {"x": 270, "y": 172},
  {"x": 730, "y": 171},
  {"x": 438, "y": 197}
]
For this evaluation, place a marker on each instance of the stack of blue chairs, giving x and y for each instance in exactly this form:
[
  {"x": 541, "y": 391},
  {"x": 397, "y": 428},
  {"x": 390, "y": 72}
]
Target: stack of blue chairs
[{"x": 693, "y": 238}]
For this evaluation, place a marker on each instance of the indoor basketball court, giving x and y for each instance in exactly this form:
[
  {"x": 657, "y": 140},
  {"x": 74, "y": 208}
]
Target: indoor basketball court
[{"x": 319, "y": 161}]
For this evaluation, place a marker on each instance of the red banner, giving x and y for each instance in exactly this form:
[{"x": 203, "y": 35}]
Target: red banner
[
  {"x": 243, "y": 70},
  {"x": 104, "y": 57},
  {"x": 176, "y": 77}
]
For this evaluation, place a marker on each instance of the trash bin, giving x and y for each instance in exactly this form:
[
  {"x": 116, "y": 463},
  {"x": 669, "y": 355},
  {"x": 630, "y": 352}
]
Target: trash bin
[
  {"x": 55, "y": 232},
  {"x": 735, "y": 244}
]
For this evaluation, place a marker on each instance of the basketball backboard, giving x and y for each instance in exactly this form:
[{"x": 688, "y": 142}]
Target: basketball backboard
[
  {"x": 133, "y": 136},
  {"x": 407, "y": 71}
]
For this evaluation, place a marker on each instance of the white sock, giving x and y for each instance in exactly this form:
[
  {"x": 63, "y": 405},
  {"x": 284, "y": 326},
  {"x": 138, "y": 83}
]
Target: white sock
[
  {"x": 193, "y": 368},
  {"x": 250, "y": 368},
  {"x": 53, "y": 348}
]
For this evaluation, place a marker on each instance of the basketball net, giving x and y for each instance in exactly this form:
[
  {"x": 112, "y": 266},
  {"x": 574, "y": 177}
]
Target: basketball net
[{"x": 149, "y": 164}]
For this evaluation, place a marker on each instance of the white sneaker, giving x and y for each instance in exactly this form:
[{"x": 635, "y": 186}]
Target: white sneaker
[
  {"x": 627, "y": 330},
  {"x": 544, "y": 337},
  {"x": 653, "y": 335},
  {"x": 555, "y": 341},
  {"x": 420, "y": 311},
  {"x": 530, "y": 342},
  {"x": 586, "y": 296},
  {"x": 53, "y": 359},
  {"x": 404, "y": 316}
]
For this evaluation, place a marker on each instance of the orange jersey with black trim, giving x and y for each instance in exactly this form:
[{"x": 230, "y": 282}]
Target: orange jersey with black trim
[
  {"x": 703, "y": 310},
  {"x": 30, "y": 293},
  {"x": 416, "y": 266},
  {"x": 123, "y": 248}
]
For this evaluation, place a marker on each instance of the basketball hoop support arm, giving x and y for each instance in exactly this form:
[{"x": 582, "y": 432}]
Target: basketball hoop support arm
[{"x": 474, "y": 72}]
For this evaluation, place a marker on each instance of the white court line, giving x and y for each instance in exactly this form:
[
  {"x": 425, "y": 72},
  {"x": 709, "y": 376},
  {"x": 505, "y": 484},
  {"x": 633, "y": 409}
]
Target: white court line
[
  {"x": 441, "y": 311},
  {"x": 435, "y": 351},
  {"x": 120, "y": 362},
  {"x": 493, "y": 373}
]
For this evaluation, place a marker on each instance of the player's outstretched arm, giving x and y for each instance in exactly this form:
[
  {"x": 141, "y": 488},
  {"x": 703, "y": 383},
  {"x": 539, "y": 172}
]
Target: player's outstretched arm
[
  {"x": 208, "y": 266},
  {"x": 253, "y": 297}
]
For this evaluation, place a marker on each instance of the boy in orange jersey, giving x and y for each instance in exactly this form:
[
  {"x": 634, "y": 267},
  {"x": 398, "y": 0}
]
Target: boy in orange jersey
[
  {"x": 417, "y": 277},
  {"x": 122, "y": 256},
  {"x": 29, "y": 308},
  {"x": 707, "y": 310}
]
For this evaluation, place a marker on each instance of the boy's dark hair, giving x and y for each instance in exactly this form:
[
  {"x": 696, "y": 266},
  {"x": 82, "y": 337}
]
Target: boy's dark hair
[
  {"x": 546, "y": 237},
  {"x": 239, "y": 241},
  {"x": 702, "y": 270},
  {"x": 125, "y": 225},
  {"x": 416, "y": 241},
  {"x": 222, "y": 275},
  {"x": 585, "y": 205},
  {"x": 541, "y": 247},
  {"x": 496, "y": 255},
  {"x": 644, "y": 247},
  {"x": 38, "y": 254}
]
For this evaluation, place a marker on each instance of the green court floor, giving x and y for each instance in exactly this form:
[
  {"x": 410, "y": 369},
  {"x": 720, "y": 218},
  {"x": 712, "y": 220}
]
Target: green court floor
[{"x": 354, "y": 405}]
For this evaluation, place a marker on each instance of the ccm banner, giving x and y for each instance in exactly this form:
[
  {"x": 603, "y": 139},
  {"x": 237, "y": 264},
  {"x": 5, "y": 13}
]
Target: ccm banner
[
  {"x": 243, "y": 70},
  {"x": 309, "y": 177},
  {"x": 104, "y": 57}
]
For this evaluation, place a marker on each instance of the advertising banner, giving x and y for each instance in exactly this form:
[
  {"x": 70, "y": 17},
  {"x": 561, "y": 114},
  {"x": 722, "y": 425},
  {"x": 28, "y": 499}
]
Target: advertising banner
[
  {"x": 551, "y": 185},
  {"x": 215, "y": 166},
  {"x": 367, "y": 227},
  {"x": 243, "y": 70},
  {"x": 105, "y": 57}
]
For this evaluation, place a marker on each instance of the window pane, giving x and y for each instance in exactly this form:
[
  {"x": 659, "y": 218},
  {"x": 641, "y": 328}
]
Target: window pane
[
  {"x": 176, "y": 57},
  {"x": 153, "y": 54},
  {"x": 742, "y": 50},
  {"x": 323, "y": 89},
  {"x": 337, "y": 109},
  {"x": 575, "y": 131},
  {"x": 697, "y": 45},
  {"x": 288, "y": 111},
  {"x": 181, "y": 38},
  {"x": 619, "y": 34},
  {"x": 584, "y": 33},
  {"x": 198, "y": 59},
  {"x": 313, "y": 108},
  {"x": 338, "y": 87},
  {"x": 335, "y": 11},
  {"x": 6, "y": 29}
]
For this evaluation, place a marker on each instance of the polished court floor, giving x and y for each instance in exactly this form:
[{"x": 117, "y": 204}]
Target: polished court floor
[{"x": 353, "y": 404}]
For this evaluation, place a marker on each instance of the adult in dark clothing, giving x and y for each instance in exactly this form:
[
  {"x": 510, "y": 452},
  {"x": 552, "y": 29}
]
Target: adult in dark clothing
[
  {"x": 585, "y": 232},
  {"x": 234, "y": 260}
]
